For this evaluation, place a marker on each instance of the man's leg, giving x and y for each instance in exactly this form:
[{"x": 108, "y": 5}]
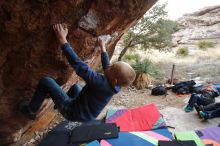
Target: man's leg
[
  {"x": 47, "y": 85},
  {"x": 204, "y": 101},
  {"x": 74, "y": 91},
  {"x": 193, "y": 99},
  {"x": 215, "y": 113},
  {"x": 210, "y": 114},
  {"x": 211, "y": 107}
]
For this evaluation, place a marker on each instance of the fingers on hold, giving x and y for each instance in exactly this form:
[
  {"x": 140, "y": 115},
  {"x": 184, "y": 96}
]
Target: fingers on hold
[
  {"x": 54, "y": 27},
  {"x": 59, "y": 27},
  {"x": 99, "y": 39}
]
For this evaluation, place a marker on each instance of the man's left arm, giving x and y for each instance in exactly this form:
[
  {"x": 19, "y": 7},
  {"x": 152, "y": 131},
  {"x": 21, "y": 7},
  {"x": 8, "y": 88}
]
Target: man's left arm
[{"x": 81, "y": 68}]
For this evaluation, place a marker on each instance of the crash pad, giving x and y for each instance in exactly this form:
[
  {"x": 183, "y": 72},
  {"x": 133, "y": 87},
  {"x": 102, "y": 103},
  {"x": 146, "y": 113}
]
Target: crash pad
[
  {"x": 177, "y": 143},
  {"x": 136, "y": 119},
  {"x": 93, "y": 143},
  {"x": 139, "y": 138},
  {"x": 60, "y": 135},
  {"x": 210, "y": 135},
  {"x": 189, "y": 135}
]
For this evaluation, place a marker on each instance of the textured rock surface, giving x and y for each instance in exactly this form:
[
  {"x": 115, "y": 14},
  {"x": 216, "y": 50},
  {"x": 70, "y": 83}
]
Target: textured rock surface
[
  {"x": 203, "y": 24},
  {"x": 29, "y": 51}
]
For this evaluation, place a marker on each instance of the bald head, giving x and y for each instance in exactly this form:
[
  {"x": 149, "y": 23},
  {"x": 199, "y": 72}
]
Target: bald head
[{"x": 122, "y": 73}]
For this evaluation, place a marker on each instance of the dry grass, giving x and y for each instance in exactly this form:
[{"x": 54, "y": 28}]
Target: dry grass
[{"x": 204, "y": 64}]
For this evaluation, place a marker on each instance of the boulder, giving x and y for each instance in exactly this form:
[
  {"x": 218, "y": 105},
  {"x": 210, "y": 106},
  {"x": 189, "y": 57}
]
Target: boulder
[
  {"x": 29, "y": 50},
  {"x": 201, "y": 25}
]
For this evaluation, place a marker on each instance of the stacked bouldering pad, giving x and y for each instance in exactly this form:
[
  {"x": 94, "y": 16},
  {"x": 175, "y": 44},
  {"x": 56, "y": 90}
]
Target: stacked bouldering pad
[{"x": 142, "y": 126}]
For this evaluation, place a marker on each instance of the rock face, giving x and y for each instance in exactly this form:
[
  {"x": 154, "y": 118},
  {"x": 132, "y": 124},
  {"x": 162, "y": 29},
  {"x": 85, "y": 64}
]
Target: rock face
[
  {"x": 203, "y": 24},
  {"x": 29, "y": 51}
]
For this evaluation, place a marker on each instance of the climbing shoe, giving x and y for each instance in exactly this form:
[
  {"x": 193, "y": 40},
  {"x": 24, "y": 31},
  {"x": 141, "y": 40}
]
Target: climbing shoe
[
  {"x": 198, "y": 109},
  {"x": 204, "y": 115},
  {"x": 24, "y": 108},
  {"x": 188, "y": 108}
]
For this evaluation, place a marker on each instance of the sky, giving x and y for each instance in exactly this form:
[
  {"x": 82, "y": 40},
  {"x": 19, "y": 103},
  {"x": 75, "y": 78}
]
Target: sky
[{"x": 176, "y": 8}]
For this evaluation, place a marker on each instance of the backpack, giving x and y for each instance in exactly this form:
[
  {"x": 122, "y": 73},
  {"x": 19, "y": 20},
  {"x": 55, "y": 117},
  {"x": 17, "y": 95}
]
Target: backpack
[
  {"x": 183, "y": 87},
  {"x": 159, "y": 90}
]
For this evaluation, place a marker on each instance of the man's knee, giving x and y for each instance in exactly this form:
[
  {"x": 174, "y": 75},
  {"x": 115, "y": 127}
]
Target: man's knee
[
  {"x": 46, "y": 80},
  {"x": 74, "y": 90},
  {"x": 77, "y": 87}
]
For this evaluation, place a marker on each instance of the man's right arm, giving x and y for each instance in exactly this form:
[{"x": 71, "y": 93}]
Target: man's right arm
[
  {"x": 81, "y": 68},
  {"x": 104, "y": 54}
]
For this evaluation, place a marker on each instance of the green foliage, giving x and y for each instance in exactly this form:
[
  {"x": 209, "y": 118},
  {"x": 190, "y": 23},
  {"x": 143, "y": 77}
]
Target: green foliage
[
  {"x": 146, "y": 66},
  {"x": 153, "y": 31},
  {"x": 182, "y": 52},
  {"x": 131, "y": 57},
  {"x": 203, "y": 44}
]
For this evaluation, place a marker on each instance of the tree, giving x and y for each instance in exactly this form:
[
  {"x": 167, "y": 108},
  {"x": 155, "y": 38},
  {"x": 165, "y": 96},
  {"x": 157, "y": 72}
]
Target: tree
[{"x": 153, "y": 31}]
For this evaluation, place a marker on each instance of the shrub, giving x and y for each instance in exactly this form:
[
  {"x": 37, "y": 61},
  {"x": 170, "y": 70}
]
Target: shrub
[
  {"x": 131, "y": 57},
  {"x": 182, "y": 52},
  {"x": 146, "y": 66},
  {"x": 203, "y": 44}
]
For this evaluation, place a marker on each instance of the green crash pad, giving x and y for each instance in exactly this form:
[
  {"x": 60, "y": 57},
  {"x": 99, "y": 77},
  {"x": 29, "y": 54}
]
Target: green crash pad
[{"x": 190, "y": 135}]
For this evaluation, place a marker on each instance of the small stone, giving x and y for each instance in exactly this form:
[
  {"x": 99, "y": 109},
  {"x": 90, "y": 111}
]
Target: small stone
[
  {"x": 50, "y": 128},
  {"x": 123, "y": 95},
  {"x": 37, "y": 138},
  {"x": 32, "y": 140},
  {"x": 41, "y": 134},
  {"x": 36, "y": 133}
]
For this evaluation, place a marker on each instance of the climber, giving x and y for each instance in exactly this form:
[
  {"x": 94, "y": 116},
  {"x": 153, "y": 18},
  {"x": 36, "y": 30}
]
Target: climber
[{"x": 81, "y": 104}]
